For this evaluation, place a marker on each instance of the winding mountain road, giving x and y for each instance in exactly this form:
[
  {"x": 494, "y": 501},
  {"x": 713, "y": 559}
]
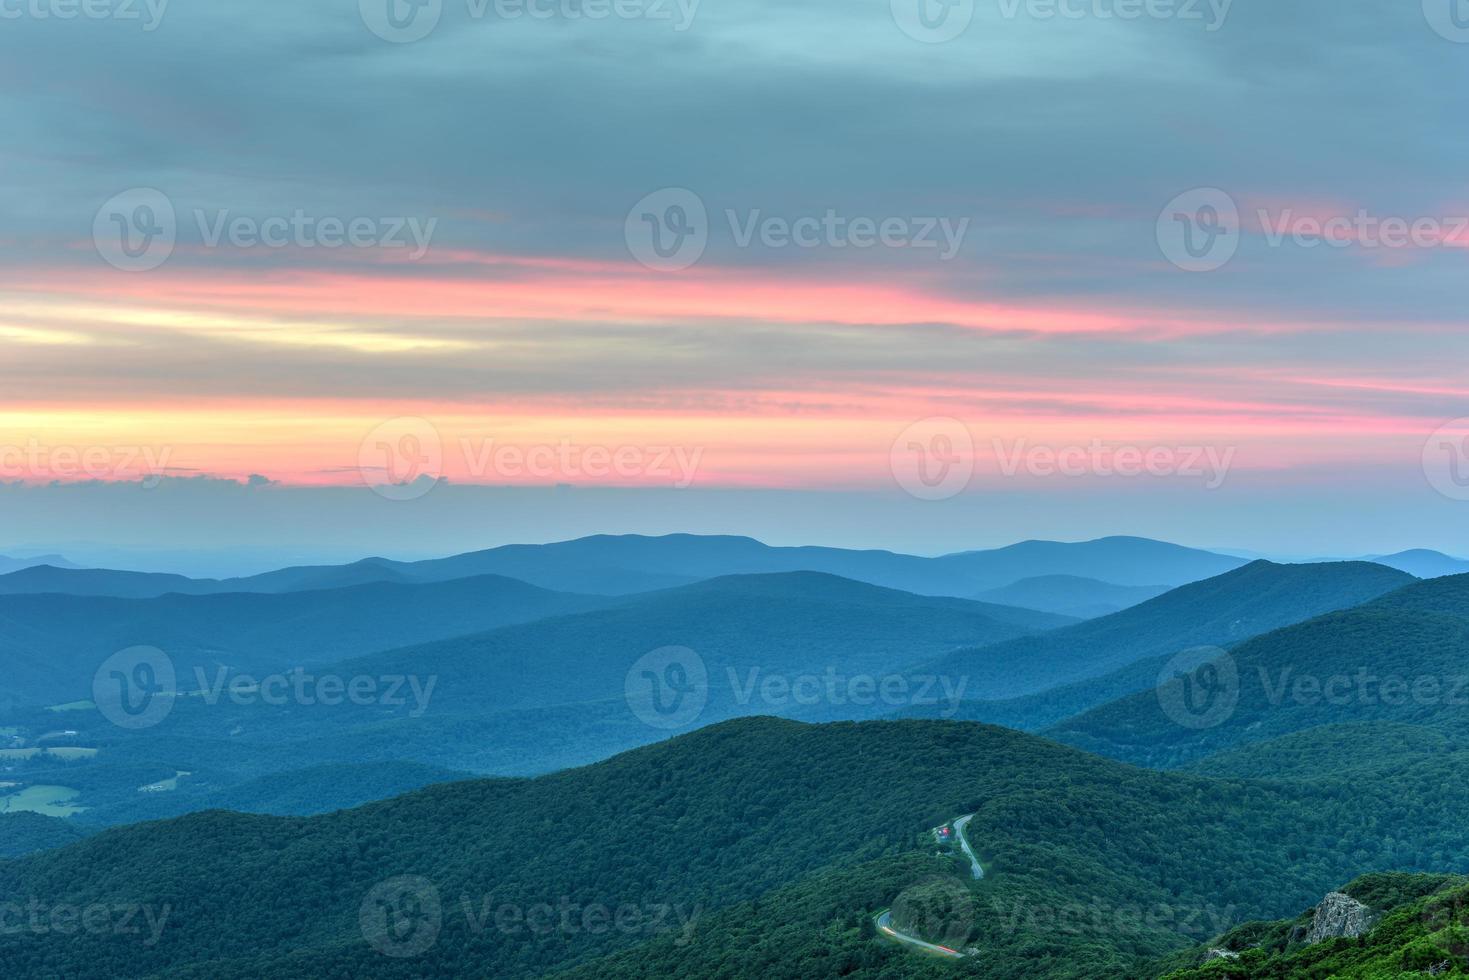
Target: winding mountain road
[
  {"x": 885, "y": 920},
  {"x": 974, "y": 864},
  {"x": 885, "y": 926}
]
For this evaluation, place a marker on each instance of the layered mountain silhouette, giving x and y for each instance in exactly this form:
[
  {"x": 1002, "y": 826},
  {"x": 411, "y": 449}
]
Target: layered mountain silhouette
[
  {"x": 620, "y": 565},
  {"x": 1403, "y": 658}
]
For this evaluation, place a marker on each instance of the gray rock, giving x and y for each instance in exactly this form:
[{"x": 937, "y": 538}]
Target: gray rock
[{"x": 1340, "y": 916}]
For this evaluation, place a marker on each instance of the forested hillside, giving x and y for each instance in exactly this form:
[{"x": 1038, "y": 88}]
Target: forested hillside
[
  {"x": 1220, "y": 611},
  {"x": 1399, "y": 659},
  {"x": 734, "y": 814}
]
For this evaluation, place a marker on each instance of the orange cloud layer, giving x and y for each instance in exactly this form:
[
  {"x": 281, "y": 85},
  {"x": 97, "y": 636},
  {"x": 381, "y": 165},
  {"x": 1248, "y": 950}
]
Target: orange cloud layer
[{"x": 473, "y": 285}]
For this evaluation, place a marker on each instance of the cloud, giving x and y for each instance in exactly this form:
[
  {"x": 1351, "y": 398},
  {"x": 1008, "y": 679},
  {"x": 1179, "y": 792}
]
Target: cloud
[{"x": 1059, "y": 140}]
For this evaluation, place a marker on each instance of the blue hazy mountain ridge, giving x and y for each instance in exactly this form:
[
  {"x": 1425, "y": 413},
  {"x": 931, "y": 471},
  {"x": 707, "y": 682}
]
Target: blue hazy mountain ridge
[
  {"x": 785, "y": 624},
  {"x": 550, "y": 693},
  {"x": 1220, "y": 611},
  {"x": 626, "y": 564},
  {"x": 1072, "y": 595},
  {"x": 1275, "y": 594},
  {"x": 43, "y": 579},
  {"x": 8, "y": 564},
  {"x": 1330, "y": 670},
  {"x": 52, "y": 644},
  {"x": 1424, "y": 563}
]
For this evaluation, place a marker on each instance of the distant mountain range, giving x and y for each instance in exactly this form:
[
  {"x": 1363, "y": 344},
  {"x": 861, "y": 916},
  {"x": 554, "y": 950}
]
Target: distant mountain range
[
  {"x": 1072, "y": 595},
  {"x": 622, "y": 565},
  {"x": 8, "y": 565},
  {"x": 552, "y": 693},
  {"x": 770, "y": 844},
  {"x": 1220, "y": 611},
  {"x": 52, "y": 644},
  {"x": 1423, "y": 563},
  {"x": 1083, "y": 579}
]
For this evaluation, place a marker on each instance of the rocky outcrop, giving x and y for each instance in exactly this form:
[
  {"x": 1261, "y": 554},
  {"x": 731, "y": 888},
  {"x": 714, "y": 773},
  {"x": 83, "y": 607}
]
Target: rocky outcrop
[
  {"x": 1340, "y": 916},
  {"x": 1220, "y": 954}
]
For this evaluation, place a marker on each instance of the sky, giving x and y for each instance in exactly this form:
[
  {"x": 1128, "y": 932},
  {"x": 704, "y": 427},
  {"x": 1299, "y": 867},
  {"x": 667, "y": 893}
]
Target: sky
[{"x": 908, "y": 273}]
